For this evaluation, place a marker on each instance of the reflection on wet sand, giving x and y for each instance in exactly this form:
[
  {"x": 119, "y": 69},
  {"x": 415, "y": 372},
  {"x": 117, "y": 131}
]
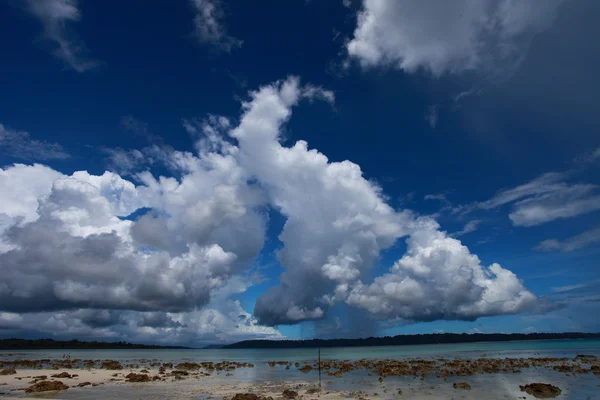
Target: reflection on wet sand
[{"x": 538, "y": 377}]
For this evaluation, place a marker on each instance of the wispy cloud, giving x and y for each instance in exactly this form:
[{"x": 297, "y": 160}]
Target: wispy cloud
[
  {"x": 441, "y": 197},
  {"x": 469, "y": 227},
  {"x": 568, "y": 288},
  {"x": 432, "y": 116},
  {"x": 546, "y": 198},
  {"x": 139, "y": 128},
  {"x": 56, "y": 16},
  {"x": 21, "y": 145},
  {"x": 584, "y": 239},
  {"x": 588, "y": 157},
  {"x": 209, "y": 26}
]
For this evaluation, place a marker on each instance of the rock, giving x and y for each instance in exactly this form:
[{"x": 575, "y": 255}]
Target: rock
[
  {"x": 462, "y": 385},
  {"x": 8, "y": 371},
  {"x": 137, "y": 377},
  {"x": 180, "y": 373},
  {"x": 83, "y": 384},
  {"x": 399, "y": 391},
  {"x": 111, "y": 365},
  {"x": 289, "y": 394},
  {"x": 306, "y": 368},
  {"x": 380, "y": 379},
  {"x": 250, "y": 396},
  {"x": 188, "y": 366},
  {"x": 541, "y": 390},
  {"x": 313, "y": 391},
  {"x": 46, "y": 386},
  {"x": 144, "y": 371},
  {"x": 62, "y": 375}
]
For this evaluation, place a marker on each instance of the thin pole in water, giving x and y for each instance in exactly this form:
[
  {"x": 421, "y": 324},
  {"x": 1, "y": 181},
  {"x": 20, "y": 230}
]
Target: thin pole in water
[{"x": 319, "y": 368}]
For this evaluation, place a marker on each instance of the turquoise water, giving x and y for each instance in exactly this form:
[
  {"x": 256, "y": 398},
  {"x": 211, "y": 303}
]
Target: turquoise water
[
  {"x": 484, "y": 386},
  {"x": 562, "y": 348}
]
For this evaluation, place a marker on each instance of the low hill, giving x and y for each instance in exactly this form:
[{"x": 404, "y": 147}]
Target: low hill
[
  {"x": 400, "y": 340},
  {"x": 48, "y": 344}
]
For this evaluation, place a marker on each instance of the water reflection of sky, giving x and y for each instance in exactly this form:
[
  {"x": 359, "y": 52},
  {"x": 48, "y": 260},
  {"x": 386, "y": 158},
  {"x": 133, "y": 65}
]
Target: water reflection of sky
[{"x": 483, "y": 386}]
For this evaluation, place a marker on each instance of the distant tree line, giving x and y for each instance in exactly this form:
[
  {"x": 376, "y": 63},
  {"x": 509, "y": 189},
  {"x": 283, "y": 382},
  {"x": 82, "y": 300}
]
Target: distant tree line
[
  {"x": 399, "y": 340},
  {"x": 47, "y": 344}
]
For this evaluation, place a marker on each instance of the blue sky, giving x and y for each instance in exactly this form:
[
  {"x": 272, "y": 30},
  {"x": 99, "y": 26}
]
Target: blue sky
[{"x": 155, "y": 184}]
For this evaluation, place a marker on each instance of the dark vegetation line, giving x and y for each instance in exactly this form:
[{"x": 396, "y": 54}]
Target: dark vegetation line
[
  {"x": 48, "y": 344},
  {"x": 408, "y": 340}
]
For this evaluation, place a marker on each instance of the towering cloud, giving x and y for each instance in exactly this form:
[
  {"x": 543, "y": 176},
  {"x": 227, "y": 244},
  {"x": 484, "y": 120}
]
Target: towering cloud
[
  {"x": 73, "y": 249},
  {"x": 337, "y": 224}
]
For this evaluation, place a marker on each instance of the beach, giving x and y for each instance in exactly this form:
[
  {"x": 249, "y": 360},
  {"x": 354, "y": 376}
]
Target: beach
[{"x": 473, "y": 371}]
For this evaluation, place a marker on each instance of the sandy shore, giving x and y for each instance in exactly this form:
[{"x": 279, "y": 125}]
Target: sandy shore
[{"x": 482, "y": 378}]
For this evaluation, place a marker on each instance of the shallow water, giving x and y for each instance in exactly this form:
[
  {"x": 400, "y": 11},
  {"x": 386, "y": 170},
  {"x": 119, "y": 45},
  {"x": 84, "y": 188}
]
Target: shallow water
[
  {"x": 485, "y": 386},
  {"x": 551, "y": 348}
]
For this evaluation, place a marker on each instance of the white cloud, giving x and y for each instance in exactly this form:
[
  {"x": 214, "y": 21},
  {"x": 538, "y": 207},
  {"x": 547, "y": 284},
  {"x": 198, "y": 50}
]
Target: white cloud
[
  {"x": 469, "y": 227},
  {"x": 337, "y": 224},
  {"x": 179, "y": 265},
  {"x": 209, "y": 25},
  {"x": 337, "y": 221},
  {"x": 448, "y": 37},
  {"x": 19, "y": 201},
  {"x": 546, "y": 198},
  {"x": 441, "y": 197},
  {"x": 56, "y": 16},
  {"x": 582, "y": 240},
  {"x": 20, "y": 145},
  {"x": 568, "y": 288},
  {"x": 214, "y": 227},
  {"x": 439, "y": 278}
]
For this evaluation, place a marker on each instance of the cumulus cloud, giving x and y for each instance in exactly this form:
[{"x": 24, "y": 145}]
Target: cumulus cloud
[
  {"x": 448, "y": 37},
  {"x": 19, "y": 201},
  {"x": 587, "y": 238},
  {"x": 70, "y": 256},
  {"x": 20, "y": 145},
  {"x": 214, "y": 227},
  {"x": 209, "y": 25},
  {"x": 337, "y": 223},
  {"x": 544, "y": 199},
  {"x": 438, "y": 278},
  {"x": 56, "y": 16}
]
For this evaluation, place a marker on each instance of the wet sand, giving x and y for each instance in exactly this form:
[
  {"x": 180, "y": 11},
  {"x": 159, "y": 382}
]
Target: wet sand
[{"x": 480, "y": 378}]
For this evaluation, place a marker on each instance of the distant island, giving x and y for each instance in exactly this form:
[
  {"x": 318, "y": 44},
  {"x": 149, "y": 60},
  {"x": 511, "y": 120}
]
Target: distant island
[
  {"x": 50, "y": 344},
  {"x": 399, "y": 340}
]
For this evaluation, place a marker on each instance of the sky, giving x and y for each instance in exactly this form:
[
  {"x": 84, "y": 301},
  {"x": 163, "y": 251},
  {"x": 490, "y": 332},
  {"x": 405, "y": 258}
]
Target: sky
[{"x": 210, "y": 171}]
